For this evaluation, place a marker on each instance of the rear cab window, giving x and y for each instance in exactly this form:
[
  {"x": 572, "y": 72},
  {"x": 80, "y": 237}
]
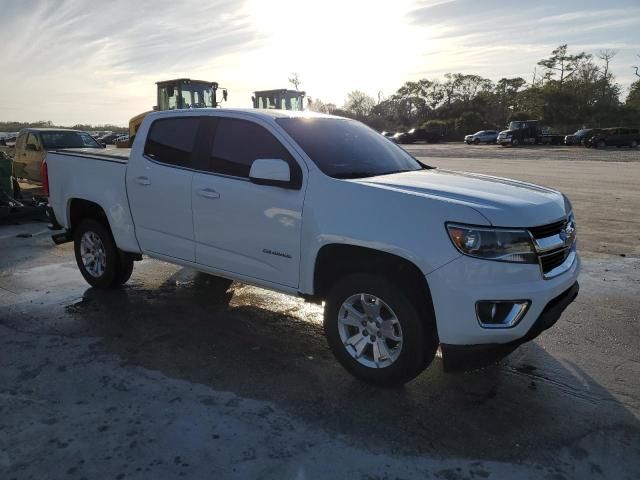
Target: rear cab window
[{"x": 172, "y": 140}]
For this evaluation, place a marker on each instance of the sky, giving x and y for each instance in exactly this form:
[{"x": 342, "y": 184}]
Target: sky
[{"x": 83, "y": 61}]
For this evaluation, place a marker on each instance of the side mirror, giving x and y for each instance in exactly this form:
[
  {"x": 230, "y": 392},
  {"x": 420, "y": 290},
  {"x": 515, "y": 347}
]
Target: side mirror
[
  {"x": 270, "y": 171},
  {"x": 30, "y": 147},
  {"x": 224, "y": 94}
]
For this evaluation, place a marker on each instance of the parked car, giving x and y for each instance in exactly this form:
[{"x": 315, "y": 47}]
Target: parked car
[
  {"x": 520, "y": 132},
  {"x": 417, "y": 135},
  {"x": 580, "y": 136},
  {"x": 33, "y": 144},
  {"x": 617, "y": 137},
  {"x": 483, "y": 136},
  {"x": 109, "y": 139},
  {"x": 404, "y": 256},
  {"x": 10, "y": 141}
]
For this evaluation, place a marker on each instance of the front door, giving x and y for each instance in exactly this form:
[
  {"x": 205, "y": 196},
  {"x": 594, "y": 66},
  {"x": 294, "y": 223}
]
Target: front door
[
  {"x": 159, "y": 188},
  {"x": 239, "y": 226}
]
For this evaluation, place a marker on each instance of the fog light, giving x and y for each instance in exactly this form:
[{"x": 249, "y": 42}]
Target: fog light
[{"x": 501, "y": 313}]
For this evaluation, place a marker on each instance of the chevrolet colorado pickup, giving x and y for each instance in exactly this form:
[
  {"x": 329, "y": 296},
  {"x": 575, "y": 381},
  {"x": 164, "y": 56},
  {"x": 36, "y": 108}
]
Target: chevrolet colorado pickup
[{"x": 405, "y": 258}]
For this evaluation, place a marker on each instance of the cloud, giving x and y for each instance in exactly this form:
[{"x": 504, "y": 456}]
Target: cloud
[
  {"x": 494, "y": 39},
  {"x": 82, "y": 56},
  {"x": 73, "y": 61}
]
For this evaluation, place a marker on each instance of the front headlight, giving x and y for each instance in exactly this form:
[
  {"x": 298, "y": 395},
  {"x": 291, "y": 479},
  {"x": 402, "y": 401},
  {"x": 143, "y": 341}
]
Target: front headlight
[{"x": 503, "y": 245}]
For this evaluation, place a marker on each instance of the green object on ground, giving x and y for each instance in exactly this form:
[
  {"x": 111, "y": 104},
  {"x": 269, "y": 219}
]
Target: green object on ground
[{"x": 6, "y": 175}]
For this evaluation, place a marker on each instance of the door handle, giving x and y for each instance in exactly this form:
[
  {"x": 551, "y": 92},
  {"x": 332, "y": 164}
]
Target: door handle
[
  {"x": 142, "y": 181},
  {"x": 208, "y": 193}
]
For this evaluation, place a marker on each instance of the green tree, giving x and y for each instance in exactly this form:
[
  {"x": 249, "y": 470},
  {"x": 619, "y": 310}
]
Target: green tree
[
  {"x": 359, "y": 104},
  {"x": 562, "y": 63},
  {"x": 633, "y": 99},
  {"x": 469, "y": 122}
]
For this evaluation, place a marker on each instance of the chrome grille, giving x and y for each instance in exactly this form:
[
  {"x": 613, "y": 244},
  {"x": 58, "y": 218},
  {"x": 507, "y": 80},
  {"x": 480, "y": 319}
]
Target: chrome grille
[
  {"x": 553, "y": 247},
  {"x": 554, "y": 259},
  {"x": 544, "y": 231}
]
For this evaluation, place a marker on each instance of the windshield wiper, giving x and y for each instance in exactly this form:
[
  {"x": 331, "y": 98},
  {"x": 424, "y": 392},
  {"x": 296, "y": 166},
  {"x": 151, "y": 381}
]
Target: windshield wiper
[{"x": 354, "y": 174}]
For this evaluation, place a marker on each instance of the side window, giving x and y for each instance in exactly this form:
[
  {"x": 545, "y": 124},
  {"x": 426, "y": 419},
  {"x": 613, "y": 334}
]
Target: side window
[
  {"x": 33, "y": 140},
  {"x": 171, "y": 140},
  {"x": 238, "y": 143}
]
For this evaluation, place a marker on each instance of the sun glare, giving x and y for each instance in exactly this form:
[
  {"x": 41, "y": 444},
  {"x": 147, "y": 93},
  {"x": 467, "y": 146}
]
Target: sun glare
[{"x": 334, "y": 46}]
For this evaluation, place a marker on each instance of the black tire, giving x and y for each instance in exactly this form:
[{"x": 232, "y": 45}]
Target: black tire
[
  {"x": 476, "y": 141},
  {"x": 419, "y": 333},
  {"x": 125, "y": 270},
  {"x": 633, "y": 144},
  {"x": 515, "y": 142},
  {"x": 118, "y": 265}
]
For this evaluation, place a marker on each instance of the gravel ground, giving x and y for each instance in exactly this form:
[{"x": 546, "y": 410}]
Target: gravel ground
[{"x": 160, "y": 380}]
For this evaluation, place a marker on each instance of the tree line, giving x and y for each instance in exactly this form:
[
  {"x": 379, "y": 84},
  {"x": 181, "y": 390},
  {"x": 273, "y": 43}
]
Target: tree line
[
  {"x": 568, "y": 91},
  {"x": 17, "y": 126}
]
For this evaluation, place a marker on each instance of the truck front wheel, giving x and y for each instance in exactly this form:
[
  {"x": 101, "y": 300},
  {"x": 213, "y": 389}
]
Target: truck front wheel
[
  {"x": 101, "y": 263},
  {"x": 376, "y": 331}
]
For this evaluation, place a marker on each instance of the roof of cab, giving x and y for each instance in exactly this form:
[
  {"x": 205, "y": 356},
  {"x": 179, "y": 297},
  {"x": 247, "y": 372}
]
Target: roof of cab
[
  {"x": 254, "y": 112},
  {"x": 44, "y": 129}
]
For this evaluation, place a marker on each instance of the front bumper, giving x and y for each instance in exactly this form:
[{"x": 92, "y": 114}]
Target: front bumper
[
  {"x": 467, "y": 357},
  {"x": 458, "y": 285},
  {"x": 504, "y": 140}
]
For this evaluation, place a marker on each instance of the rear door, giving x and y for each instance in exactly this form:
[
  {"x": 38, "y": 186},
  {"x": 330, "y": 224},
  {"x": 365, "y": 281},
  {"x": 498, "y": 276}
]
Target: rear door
[
  {"x": 159, "y": 188},
  {"x": 239, "y": 226}
]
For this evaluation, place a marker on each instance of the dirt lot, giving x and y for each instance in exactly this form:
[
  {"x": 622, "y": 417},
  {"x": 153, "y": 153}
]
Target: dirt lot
[{"x": 159, "y": 380}]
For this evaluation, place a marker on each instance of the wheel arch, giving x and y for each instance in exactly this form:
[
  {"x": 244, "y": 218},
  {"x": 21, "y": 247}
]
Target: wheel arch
[
  {"x": 119, "y": 223},
  {"x": 78, "y": 209},
  {"x": 337, "y": 260}
]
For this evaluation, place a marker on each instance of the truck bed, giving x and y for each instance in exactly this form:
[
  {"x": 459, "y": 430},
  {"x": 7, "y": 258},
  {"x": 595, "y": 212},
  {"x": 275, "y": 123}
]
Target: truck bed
[
  {"x": 97, "y": 176},
  {"x": 108, "y": 154}
]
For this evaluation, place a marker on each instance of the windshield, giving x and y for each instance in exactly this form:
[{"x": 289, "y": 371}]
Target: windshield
[
  {"x": 197, "y": 95},
  {"x": 516, "y": 125},
  {"x": 344, "y": 148},
  {"x": 53, "y": 140},
  {"x": 582, "y": 132}
]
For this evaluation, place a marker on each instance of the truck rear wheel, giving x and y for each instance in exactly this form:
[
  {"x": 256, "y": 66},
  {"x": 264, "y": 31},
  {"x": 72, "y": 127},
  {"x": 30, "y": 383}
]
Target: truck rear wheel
[
  {"x": 101, "y": 263},
  {"x": 376, "y": 331}
]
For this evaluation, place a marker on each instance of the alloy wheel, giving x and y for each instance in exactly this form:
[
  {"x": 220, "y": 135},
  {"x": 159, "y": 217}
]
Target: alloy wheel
[
  {"x": 370, "y": 330},
  {"x": 94, "y": 256}
]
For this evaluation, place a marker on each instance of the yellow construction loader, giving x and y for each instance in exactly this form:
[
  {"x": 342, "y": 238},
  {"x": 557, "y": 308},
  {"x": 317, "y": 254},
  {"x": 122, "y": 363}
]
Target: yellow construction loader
[{"x": 177, "y": 94}]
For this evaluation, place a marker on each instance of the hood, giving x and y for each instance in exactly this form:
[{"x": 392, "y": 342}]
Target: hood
[
  {"x": 507, "y": 131},
  {"x": 502, "y": 201}
]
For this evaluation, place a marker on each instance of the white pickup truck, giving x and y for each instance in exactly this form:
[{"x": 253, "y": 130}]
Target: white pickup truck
[{"x": 406, "y": 258}]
